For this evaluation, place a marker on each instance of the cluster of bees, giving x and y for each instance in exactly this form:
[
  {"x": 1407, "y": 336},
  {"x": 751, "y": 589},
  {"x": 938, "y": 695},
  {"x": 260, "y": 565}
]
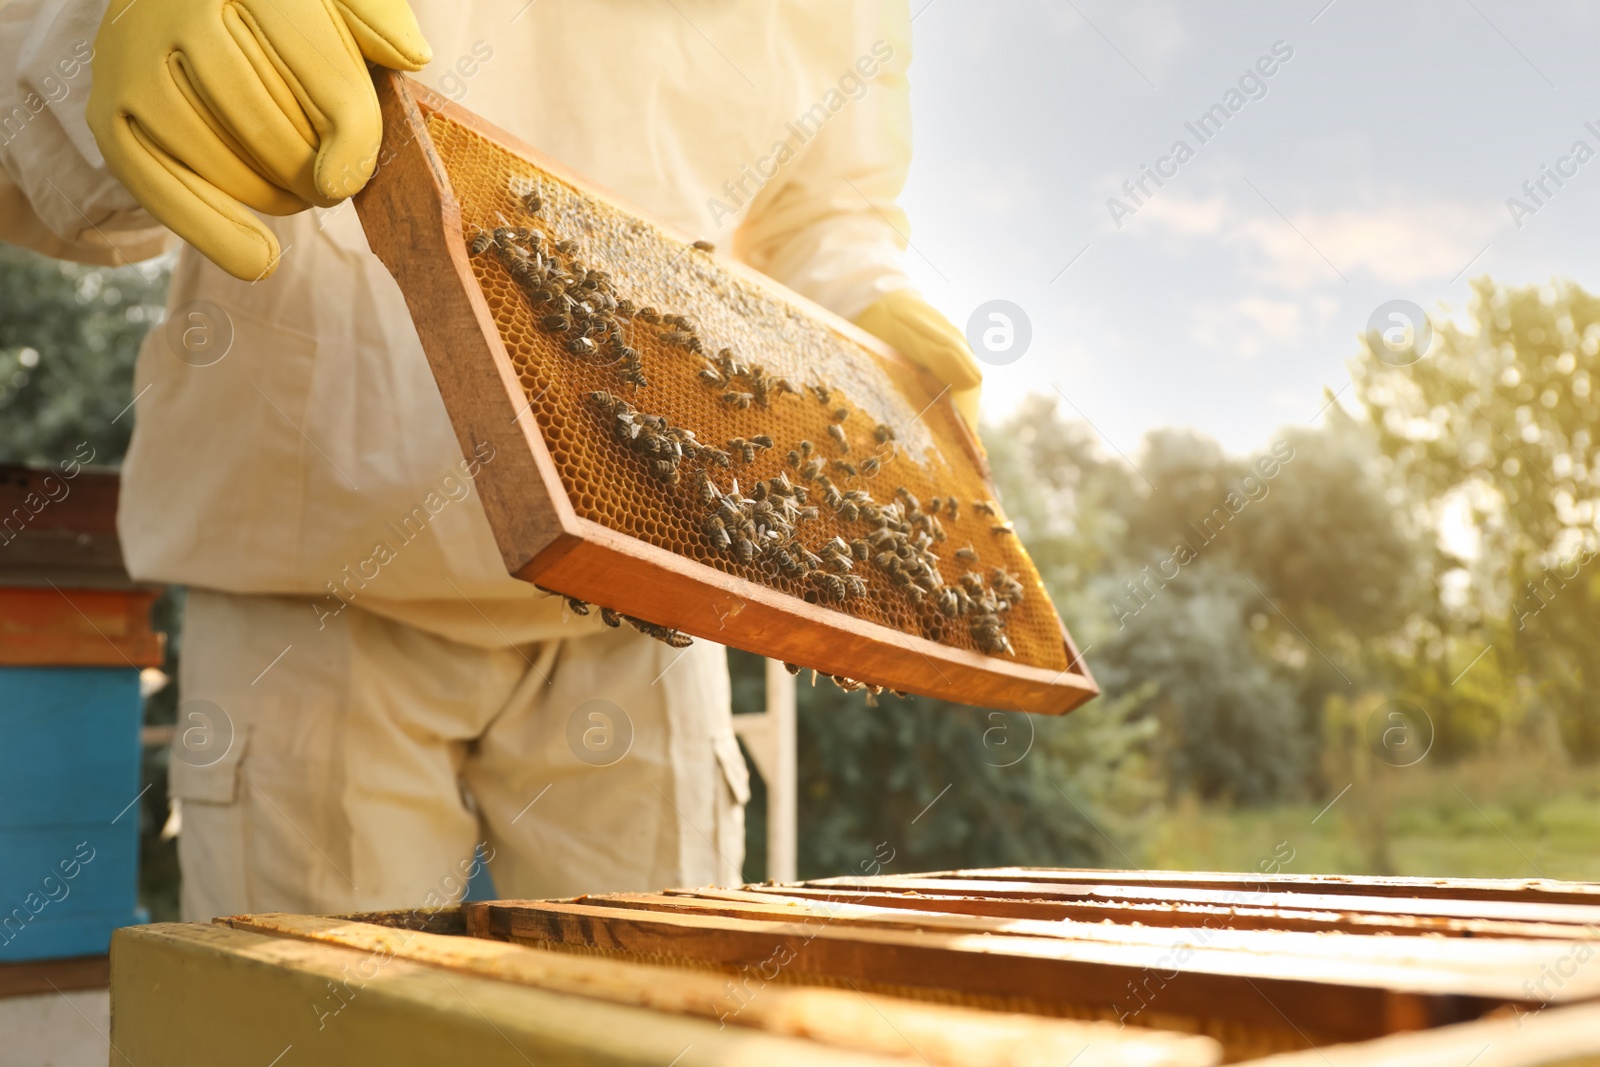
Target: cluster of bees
[
  {"x": 576, "y": 303},
  {"x": 661, "y": 445},
  {"x": 760, "y": 528}
]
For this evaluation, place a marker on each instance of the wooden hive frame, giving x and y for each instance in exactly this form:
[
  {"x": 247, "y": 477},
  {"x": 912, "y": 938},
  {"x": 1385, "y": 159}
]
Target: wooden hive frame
[
  {"x": 1264, "y": 967},
  {"x": 414, "y": 225}
]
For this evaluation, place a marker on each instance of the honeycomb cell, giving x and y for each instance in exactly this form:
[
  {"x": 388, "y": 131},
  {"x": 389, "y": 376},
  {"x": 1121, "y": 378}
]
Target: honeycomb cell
[{"x": 611, "y": 484}]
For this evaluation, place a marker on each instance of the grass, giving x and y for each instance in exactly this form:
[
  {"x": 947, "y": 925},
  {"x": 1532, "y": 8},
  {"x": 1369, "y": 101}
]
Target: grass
[{"x": 1506, "y": 817}]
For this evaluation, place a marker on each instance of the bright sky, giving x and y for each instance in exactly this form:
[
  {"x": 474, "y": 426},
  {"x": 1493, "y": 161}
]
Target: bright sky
[{"x": 1376, "y": 166}]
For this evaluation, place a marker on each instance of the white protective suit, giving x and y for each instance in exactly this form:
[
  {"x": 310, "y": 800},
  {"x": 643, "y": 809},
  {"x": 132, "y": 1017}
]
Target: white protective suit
[{"x": 378, "y": 736}]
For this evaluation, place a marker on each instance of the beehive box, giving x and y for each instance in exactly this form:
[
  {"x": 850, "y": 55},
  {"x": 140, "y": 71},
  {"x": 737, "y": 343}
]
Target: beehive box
[
  {"x": 579, "y": 506},
  {"x": 992, "y": 968}
]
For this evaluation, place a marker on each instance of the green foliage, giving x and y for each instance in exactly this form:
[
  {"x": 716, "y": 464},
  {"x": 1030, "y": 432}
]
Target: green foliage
[
  {"x": 946, "y": 786},
  {"x": 1496, "y": 426},
  {"x": 69, "y": 335},
  {"x": 1230, "y": 724}
]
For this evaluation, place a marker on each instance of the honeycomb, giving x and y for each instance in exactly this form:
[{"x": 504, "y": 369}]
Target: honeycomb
[{"x": 614, "y": 486}]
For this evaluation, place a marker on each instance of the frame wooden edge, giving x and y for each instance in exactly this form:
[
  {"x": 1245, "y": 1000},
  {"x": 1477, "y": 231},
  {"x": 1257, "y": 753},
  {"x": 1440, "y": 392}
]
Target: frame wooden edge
[
  {"x": 690, "y": 593},
  {"x": 458, "y": 330},
  {"x": 1248, "y": 989}
]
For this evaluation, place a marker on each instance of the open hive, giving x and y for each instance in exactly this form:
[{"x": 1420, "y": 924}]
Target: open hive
[
  {"x": 1009, "y": 967},
  {"x": 694, "y": 447}
]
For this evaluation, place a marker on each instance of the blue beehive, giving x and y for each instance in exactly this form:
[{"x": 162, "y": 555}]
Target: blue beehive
[
  {"x": 74, "y": 634},
  {"x": 69, "y": 821}
]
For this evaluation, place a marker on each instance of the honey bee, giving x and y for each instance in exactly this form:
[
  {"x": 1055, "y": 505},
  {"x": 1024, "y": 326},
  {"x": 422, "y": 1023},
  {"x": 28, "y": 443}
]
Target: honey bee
[
  {"x": 836, "y": 432},
  {"x": 869, "y": 466},
  {"x": 737, "y": 400},
  {"x": 717, "y": 456},
  {"x": 744, "y": 548},
  {"x": 966, "y": 555},
  {"x": 793, "y": 459},
  {"x": 480, "y": 243},
  {"x": 845, "y": 468},
  {"x": 913, "y": 505},
  {"x": 578, "y": 607},
  {"x": 524, "y": 274},
  {"x": 784, "y": 385},
  {"x": 822, "y": 393},
  {"x": 704, "y": 246},
  {"x": 1004, "y": 529},
  {"x": 806, "y": 514},
  {"x": 985, "y": 507},
  {"x": 1005, "y": 584},
  {"x": 831, "y": 586},
  {"x": 582, "y": 346},
  {"x": 661, "y": 633},
  {"x": 712, "y": 376},
  {"x": 839, "y": 414},
  {"x": 610, "y": 618},
  {"x": 557, "y": 323},
  {"x": 705, "y": 487},
  {"x": 854, "y": 586},
  {"x": 677, "y": 337},
  {"x": 952, "y": 509},
  {"x": 761, "y": 441},
  {"x": 832, "y": 497},
  {"x": 811, "y": 471},
  {"x": 531, "y": 203},
  {"x": 948, "y": 602},
  {"x": 649, "y": 314},
  {"x": 566, "y": 248},
  {"x": 793, "y": 668},
  {"x": 883, "y": 433},
  {"x": 806, "y": 449},
  {"x": 716, "y": 532},
  {"x": 849, "y": 511},
  {"x": 861, "y": 549}
]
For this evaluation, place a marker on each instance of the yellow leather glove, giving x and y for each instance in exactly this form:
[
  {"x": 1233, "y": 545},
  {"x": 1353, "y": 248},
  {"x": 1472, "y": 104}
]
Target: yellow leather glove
[
  {"x": 204, "y": 108},
  {"x": 920, "y": 333}
]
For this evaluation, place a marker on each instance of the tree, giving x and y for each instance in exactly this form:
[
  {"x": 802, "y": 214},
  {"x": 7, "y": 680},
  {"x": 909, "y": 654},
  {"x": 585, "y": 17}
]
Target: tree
[
  {"x": 1230, "y": 723},
  {"x": 68, "y": 340},
  {"x": 1495, "y": 427}
]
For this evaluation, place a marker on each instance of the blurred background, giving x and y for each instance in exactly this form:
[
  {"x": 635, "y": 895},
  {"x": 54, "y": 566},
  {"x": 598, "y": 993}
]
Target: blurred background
[{"x": 1301, "y": 439}]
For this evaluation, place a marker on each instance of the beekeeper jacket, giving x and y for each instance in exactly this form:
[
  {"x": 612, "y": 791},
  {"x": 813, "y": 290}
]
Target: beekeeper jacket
[{"x": 276, "y": 454}]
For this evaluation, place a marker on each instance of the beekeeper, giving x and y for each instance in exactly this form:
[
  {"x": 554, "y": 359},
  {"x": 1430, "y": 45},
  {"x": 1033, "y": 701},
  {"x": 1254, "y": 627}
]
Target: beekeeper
[{"x": 351, "y": 731}]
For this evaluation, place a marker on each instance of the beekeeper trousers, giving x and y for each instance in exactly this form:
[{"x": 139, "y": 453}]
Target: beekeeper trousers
[{"x": 354, "y": 763}]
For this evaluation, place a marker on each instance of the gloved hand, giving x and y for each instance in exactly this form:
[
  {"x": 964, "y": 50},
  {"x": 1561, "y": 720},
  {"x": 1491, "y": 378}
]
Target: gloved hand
[
  {"x": 203, "y": 108},
  {"x": 920, "y": 333}
]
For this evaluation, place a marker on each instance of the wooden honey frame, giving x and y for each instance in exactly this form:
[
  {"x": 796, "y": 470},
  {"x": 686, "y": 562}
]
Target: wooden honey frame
[{"x": 413, "y": 225}]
